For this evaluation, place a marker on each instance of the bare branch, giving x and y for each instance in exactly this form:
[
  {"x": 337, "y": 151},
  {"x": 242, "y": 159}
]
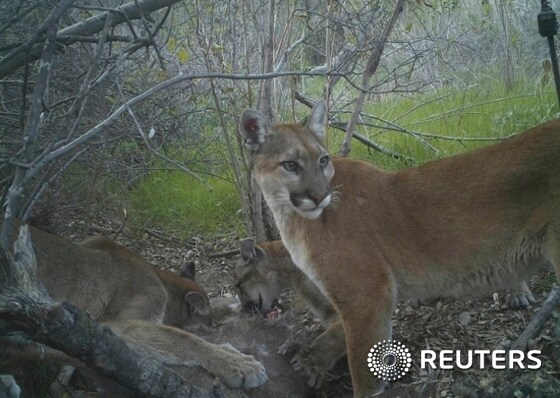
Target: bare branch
[
  {"x": 31, "y": 132},
  {"x": 18, "y": 17},
  {"x": 371, "y": 67},
  {"x": 152, "y": 149},
  {"x": 52, "y": 19},
  {"x": 287, "y": 52},
  {"x": 343, "y": 126},
  {"x": 373, "y": 145},
  {"x": 88, "y": 27},
  {"x": 66, "y": 148}
]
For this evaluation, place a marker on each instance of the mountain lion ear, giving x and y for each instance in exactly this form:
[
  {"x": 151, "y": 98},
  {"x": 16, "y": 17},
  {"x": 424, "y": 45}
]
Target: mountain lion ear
[
  {"x": 317, "y": 119},
  {"x": 253, "y": 127},
  {"x": 251, "y": 252},
  {"x": 197, "y": 304},
  {"x": 187, "y": 270}
]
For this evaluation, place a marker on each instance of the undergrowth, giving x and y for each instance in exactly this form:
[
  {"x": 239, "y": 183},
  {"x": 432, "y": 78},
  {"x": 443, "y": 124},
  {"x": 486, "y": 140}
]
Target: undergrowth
[
  {"x": 174, "y": 200},
  {"x": 420, "y": 128},
  {"x": 448, "y": 121}
]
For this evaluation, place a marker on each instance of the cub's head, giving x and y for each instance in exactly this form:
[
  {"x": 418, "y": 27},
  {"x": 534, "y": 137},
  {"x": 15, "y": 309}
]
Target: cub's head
[
  {"x": 291, "y": 164},
  {"x": 187, "y": 303},
  {"x": 257, "y": 282}
]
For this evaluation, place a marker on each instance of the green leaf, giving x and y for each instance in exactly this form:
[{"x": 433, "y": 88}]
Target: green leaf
[
  {"x": 183, "y": 55},
  {"x": 171, "y": 44}
]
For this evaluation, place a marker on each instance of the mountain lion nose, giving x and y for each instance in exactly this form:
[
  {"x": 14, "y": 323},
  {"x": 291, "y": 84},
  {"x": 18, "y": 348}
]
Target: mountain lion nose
[{"x": 303, "y": 198}]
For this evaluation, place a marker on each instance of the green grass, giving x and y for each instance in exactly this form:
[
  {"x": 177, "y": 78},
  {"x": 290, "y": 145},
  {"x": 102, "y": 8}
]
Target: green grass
[
  {"x": 176, "y": 201},
  {"x": 482, "y": 111},
  {"x": 94, "y": 190}
]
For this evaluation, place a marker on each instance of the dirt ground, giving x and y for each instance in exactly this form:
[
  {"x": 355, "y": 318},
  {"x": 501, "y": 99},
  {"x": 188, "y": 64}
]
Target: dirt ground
[{"x": 457, "y": 324}]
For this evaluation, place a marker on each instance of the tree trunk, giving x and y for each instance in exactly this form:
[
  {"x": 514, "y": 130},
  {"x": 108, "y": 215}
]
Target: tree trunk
[{"x": 263, "y": 222}]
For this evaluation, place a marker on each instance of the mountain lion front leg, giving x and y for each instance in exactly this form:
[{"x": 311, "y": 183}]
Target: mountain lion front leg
[
  {"x": 319, "y": 357},
  {"x": 363, "y": 329},
  {"x": 365, "y": 324},
  {"x": 174, "y": 346}
]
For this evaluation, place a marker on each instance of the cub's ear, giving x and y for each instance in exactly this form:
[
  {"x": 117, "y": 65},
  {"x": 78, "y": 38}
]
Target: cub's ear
[
  {"x": 317, "y": 119},
  {"x": 197, "y": 303},
  {"x": 251, "y": 252},
  {"x": 253, "y": 127},
  {"x": 187, "y": 270}
]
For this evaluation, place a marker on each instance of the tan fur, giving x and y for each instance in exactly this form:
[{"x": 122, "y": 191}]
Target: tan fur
[
  {"x": 145, "y": 306},
  {"x": 466, "y": 224},
  {"x": 266, "y": 269},
  {"x": 271, "y": 341}
]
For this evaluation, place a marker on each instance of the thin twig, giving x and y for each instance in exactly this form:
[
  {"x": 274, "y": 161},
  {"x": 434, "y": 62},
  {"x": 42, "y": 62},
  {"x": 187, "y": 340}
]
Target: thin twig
[
  {"x": 152, "y": 149},
  {"x": 373, "y": 145},
  {"x": 44, "y": 184},
  {"x": 82, "y": 95},
  {"x": 92, "y": 25},
  {"x": 152, "y": 38},
  {"x": 121, "y": 227},
  {"x": 18, "y": 17}
]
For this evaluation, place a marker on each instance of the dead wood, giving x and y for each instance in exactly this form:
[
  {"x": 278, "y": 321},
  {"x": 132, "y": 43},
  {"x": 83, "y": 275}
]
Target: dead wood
[{"x": 538, "y": 320}]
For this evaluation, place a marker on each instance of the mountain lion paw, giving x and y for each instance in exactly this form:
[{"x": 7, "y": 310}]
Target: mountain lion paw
[
  {"x": 520, "y": 300},
  {"x": 230, "y": 348},
  {"x": 305, "y": 361},
  {"x": 415, "y": 303},
  {"x": 238, "y": 370}
]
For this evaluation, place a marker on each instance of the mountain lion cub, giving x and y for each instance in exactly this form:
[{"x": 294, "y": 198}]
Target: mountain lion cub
[
  {"x": 263, "y": 272},
  {"x": 469, "y": 223},
  {"x": 144, "y": 306}
]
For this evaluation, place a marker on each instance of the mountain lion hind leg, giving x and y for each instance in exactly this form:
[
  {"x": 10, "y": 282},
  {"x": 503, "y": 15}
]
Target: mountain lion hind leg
[
  {"x": 552, "y": 248},
  {"x": 522, "y": 298}
]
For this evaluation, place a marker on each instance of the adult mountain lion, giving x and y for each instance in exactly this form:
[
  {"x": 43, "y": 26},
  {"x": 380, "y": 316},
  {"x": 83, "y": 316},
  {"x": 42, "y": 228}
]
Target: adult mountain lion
[
  {"x": 145, "y": 306},
  {"x": 469, "y": 223}
]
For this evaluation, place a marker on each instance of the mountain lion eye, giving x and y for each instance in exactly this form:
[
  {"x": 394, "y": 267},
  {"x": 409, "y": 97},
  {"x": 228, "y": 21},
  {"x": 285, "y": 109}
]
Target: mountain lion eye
[
  {"x": 290, "y": 166},
  {"x": 324, "y": 161}
]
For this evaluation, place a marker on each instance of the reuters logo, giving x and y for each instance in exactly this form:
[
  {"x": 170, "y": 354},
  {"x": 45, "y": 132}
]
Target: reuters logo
[{"x": 389, "y": 360}]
